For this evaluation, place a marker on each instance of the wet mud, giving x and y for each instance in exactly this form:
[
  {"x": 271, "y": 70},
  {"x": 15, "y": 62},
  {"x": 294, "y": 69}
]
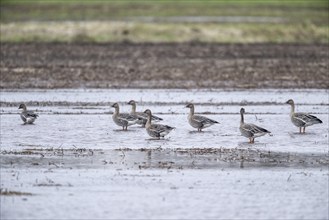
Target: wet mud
[
  {"x": 159, "y": 158},
  {"x": 181, "y": 65}
]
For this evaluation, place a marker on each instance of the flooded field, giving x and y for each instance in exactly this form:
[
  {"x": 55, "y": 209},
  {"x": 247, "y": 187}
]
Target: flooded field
[
  {"x": 74, "y": 162},
  {"x": 83, "y": 119}
]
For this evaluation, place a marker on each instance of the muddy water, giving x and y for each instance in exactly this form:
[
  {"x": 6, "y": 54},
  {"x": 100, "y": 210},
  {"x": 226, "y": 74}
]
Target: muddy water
[{"x": 76, "y": 163}]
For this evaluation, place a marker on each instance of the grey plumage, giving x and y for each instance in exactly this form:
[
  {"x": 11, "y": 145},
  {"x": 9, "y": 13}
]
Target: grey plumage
[
  {"x": 28, "y": 117},
  {"x": 156, "y": 130},
  {"x": 198, "y": 121},
  {"x": 251, "y": 131},
  {"x": 123, "y": 119},
  {"x": 301, "y": 120},
  {"x": 141, "y": 115}
]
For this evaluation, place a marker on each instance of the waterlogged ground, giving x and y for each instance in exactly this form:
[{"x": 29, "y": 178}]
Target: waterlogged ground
[{"x": 76, "y": 163}]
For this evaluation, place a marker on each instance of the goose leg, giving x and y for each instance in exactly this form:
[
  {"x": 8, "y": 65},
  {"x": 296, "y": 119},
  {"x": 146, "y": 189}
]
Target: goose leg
[
  {"x": 300, "y": 130},
  {"x": 304, "y": 130}
]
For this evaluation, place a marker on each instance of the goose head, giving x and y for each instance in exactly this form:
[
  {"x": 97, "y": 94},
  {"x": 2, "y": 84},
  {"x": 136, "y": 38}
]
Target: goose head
[
  {"x": 115, "y": 105},
  {"x": 148, "y": 112},
  {"x": 22, "y": 107},
  {"x": 290, "y": 102},
  {"x": 131, "y": 102}
]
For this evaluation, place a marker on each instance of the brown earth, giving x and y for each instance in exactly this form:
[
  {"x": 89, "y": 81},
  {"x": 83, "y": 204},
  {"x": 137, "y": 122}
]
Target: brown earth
[{"x": 181, "y": 65}]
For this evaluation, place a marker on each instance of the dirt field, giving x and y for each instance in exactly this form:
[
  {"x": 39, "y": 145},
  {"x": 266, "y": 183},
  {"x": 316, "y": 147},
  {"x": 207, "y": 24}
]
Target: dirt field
[{"x": 194, "y": 65}]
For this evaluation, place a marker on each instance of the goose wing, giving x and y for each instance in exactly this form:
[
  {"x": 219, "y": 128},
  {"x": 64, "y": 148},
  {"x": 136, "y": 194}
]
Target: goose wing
[
  {"x": 143, "y": 115},
  {"x": 127, "y": 117},
  {"x": 203, "y": 120},
  {"x": 306, "y": 118},
  {"x": 254, "y": 129},
  {"x": 158, "y": 128},
  {"x": 30, "y": 114},
  {"x": 156, "y": 118}
]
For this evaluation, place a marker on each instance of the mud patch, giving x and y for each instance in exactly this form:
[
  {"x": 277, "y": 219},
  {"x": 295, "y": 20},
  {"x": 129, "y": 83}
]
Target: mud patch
[
  {"x": 180, "y": 65},
  {"x": 6, "y": 192},
  {"x": 179, "y": 158}
]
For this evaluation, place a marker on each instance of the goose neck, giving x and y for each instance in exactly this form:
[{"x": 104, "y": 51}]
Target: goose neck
[
  {"x": 116, "y": 111},
  {"x": 148, "y": 122},
  {"x": 192, "y": 111},
  {"x": 133, "y": 108},
  {"x": 292, "y": 111},
  {"x": 242, "y": 118}
]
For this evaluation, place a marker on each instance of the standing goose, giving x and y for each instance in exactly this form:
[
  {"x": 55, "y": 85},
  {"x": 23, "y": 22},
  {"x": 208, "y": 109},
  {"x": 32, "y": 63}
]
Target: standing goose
[
  {"x": 301, "y": 120},
  {"x": 156, "y": 130},
  {"x": 198, "y": 121},
  {"x": 251, "y": 131},
  {"x": 141, "y": 115},
  {"x": 123, "y": 119},
  {"x": 28, "y": 117}
]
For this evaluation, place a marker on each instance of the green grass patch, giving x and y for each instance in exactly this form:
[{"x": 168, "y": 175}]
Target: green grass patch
[
  {"x": 295, "y": 11},
  {"x": 104, "y": 31},
  {"x": 106, "y": 21}
]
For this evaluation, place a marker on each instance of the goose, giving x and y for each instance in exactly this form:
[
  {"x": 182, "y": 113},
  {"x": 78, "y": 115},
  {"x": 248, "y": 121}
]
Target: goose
[
  {"x": 141, "y": 115},
  {"x": 28, "y": 117},
  {"x": 156, "y": 130},
  {"x": 198, "y": 121},
  {"x": 301, "y": 120},
  {"x": 123, "y": 119},
  {"x": 251, "y": 131}
]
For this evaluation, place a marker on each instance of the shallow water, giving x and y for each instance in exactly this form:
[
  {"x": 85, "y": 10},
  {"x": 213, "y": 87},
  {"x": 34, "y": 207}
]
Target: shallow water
[
  {"x": 178, "y": 96},
  {"x": 162, "y": 194},
  {"x": 82, "y": 118},
  {"x": 74, "y": 162}
]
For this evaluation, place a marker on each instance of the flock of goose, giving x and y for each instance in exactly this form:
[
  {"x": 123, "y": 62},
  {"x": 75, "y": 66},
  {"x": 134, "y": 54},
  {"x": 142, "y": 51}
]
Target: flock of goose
[{"x": 145, "y": 119}]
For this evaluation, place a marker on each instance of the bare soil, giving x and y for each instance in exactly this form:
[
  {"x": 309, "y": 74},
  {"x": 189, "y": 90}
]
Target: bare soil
[{"x": 179, "y": 65}]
